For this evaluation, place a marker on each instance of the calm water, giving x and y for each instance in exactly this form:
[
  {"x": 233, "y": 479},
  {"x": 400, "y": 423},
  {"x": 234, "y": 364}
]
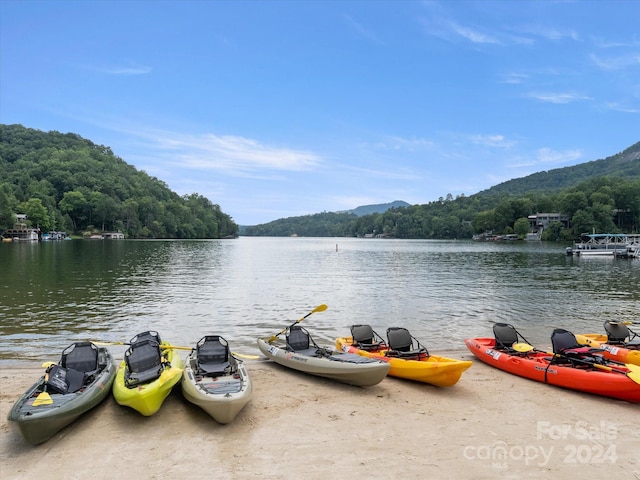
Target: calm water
[{"x": 54, "y": 293}]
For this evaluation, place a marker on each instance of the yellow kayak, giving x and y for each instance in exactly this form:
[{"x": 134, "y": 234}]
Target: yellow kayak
[
  {"x": 431, "y": 369},
  {"x": 148, "y": 372},
  {"x": 612, "y": 352}
]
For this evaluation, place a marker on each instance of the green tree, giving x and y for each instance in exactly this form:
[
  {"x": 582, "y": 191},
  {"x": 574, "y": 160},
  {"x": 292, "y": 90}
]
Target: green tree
[
  {"x": 36, "y": 213},
  {"x": 521, "y": 227}
]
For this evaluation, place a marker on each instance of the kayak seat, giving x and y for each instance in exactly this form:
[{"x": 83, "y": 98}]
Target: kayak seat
[
  {"x": 402, "y": 344},
  {"x": 365, "y": 338},
  {"x": 83, "y": 357},
  {"x": 144, "y": 363},
  {"x": 506, "y": 335},
  {"x": 148, "y": 335},
  {"x": 212, "y": 353},
  {"x": 618, "y": 333},
  {"x": 567, "y": 349},
  {"x": 64, "y": 380},
  {"x": 298, "y": 340}
]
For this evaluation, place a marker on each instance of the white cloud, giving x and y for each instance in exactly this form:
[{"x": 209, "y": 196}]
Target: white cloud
[
  {"x": 546, "y": 155},
  {"x": 498, "y": 141},
  {"x": 558, "y": 97},
  {"x": 361, "y": 30},
  {"x": 472, "y": 35},
  {"x": 619, "y": 62}
]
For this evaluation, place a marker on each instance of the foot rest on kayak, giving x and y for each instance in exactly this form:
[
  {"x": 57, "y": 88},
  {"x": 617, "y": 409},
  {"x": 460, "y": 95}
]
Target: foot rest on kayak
[
  {"x": 403, "y": 344},
  {"x": 144, "y": 363},
  {"x": 365, "y": 338},
  {"x": 212, "y": 353}
]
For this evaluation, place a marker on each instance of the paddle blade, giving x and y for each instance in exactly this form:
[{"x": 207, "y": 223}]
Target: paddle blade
[
  {"x": 522, "y": 347},
  {"x": 319, "y": 308},
  {"x": 43, "y": 399},
  {"x": 48, "y": 364},
  {"x": 634, "y": 372}
]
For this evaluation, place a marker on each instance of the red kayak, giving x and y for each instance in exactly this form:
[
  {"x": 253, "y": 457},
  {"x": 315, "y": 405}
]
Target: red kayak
[{"x": 606, "y": 380}]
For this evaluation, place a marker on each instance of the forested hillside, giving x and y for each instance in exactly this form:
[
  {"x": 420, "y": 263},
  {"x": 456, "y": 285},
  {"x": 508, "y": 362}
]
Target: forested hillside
[
  {"x": 601, "y": 196},
  {"x": 65, "y": 182}
]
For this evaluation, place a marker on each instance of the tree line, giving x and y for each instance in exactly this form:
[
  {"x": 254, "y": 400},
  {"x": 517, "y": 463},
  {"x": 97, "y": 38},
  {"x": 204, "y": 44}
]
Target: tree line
[
  {"x": 66, "y": 183},
  {"x": 602, "y": 204}
]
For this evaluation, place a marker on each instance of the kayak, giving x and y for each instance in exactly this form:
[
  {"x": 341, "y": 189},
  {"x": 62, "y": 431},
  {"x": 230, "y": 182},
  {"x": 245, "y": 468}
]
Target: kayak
[
  {"x": 431, "y": 369},
  {"x": 610, "y": 380},
  {"x": 148, "y": 372},
  {"x": 215, "y": 380},
  {"x": 77, "y": 383},
  {"x": 348, "y": 368},
  {"x": 617, "y": 353}
]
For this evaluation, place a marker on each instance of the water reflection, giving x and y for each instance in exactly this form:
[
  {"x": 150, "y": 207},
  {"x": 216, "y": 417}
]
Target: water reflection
[{"x": 444, "y": 291}]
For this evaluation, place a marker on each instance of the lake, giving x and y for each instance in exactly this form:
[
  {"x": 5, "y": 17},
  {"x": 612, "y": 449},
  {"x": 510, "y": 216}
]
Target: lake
[{"x": 54, "y": 293}]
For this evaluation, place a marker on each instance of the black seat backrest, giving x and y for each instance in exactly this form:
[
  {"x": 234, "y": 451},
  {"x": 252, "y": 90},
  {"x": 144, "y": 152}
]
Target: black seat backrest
[
  {"x": 563, "y": 340},
  {"x": 80, "y": 356},
  {"x": 362, "y": 334},
  {"x": 144, "y": 362},
  {"x": 212, "y": 353},
  {"x": 148, "y": 335},
  {"x": 617, "y": 333},
  {"x": 399, "y": 339},
  {"x": 298, "y": 338},
  {"x": 506, "y": 335}
]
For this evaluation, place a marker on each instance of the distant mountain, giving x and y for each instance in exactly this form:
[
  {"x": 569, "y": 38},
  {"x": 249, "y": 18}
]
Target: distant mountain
[
  {"x": 625, "y": 164},
  {"x": 379, "y": 208}
]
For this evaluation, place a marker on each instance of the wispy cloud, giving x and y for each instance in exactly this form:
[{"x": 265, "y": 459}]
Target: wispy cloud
[
  {"x": 130, "y": 69},
  {"x": 472, "y": 34},
  {"x": 514, "y": 78},
  {"x": 619, "y": 62},
  {"x": 558, "y": 97},
  {"x": 360, "y": 30},
  {"x": 232, "y": 153},
  {"x": 498, "y": 141},
  {"x": 396, "y": 143},
  {"x": 621, "y": 107},
  {"x": 547, "y": 155}
]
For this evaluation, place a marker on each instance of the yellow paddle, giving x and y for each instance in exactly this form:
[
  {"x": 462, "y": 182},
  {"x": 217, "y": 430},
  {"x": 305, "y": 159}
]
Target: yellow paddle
[
  {"x": 44, "y": 398},
  {"x": 633, "y": 373},
  {"x": 319, "y": 308}
]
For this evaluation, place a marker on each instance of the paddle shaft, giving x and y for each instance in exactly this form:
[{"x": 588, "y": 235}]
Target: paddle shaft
[{"x": 319, "y": 308}]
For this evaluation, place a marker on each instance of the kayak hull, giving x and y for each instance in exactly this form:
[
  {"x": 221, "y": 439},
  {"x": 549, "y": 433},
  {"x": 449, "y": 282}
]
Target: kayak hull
[
  {"x": 147, "y": 398},
  {"x": 536, "y": 366},
  {"x": 612, "y": 352},
  {"x": 222, "y": 397},
  {"x": 434, "y": 369},
  {"x": 342, "y": 367},
  {"x": 37, "y": 423}
]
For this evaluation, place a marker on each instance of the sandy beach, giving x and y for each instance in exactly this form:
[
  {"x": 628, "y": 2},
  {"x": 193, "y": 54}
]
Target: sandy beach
[{"x": 491, "y": 424}]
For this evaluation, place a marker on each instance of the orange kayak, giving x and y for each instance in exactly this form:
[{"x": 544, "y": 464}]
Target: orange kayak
[
  {"x": 432, "y": 369},
  {"x": 609, "y": 381},
  {"x": 613, "y": 352}
]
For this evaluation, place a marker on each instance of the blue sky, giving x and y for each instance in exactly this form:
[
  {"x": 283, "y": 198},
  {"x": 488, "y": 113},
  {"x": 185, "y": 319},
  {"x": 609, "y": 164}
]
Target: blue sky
[{"x": 274, "y": 109}]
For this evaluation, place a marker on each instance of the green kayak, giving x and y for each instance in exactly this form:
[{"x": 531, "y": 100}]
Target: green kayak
[{"x": 78, "y": 382}]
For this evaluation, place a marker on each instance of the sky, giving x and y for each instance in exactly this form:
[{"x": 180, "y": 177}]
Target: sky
[{"x": 274, "y": 109}]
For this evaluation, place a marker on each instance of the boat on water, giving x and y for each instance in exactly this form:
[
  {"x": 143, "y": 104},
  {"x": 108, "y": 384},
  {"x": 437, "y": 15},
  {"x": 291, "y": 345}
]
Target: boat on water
[
  {"x": 406, "y": 356},
  {"x": 620, "y": 343},
  {"x": 148, "y": 372},
  {"x": 21, "y": 233},
  {"x": 299, "y": 352},
  {"x": 570, "y": 365},
  {"x": 605, "y": 245},
  {"x": 77, "y": 383},
  {"x": 215, "y": 380}
]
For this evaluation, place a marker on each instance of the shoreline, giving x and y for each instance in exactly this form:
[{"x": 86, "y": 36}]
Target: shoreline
[{"x": 489, "y": 424}]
